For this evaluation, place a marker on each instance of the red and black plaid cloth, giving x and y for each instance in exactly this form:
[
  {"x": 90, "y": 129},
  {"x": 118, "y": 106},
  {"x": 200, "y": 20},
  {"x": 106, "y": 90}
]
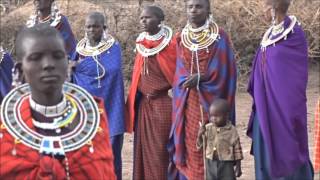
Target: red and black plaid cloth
[
  {"x": 151, "y": 158},
  {"x": 317, "y": 138}
]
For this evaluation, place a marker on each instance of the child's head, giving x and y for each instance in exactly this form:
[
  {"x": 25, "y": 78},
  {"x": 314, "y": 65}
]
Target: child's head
[
  {"x": 42, "y": 58},
  {"x": 218, "y": 113}
]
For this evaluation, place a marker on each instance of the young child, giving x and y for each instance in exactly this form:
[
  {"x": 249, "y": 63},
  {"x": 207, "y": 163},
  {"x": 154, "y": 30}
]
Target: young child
[{"x": 221, "y": 143}]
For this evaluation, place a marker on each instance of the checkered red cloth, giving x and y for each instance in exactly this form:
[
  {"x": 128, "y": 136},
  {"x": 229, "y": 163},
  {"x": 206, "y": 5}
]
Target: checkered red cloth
[
  {"x": 151, "y": 158},
  {"x": 317, "y": 139},
  {"x": 218, "y": 67}
]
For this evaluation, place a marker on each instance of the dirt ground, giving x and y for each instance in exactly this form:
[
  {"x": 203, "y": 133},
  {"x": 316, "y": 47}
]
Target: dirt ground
[{"x": 243, "y": 104}]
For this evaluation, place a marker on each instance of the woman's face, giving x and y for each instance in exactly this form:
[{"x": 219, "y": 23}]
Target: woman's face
[
  {"x": 44, "y": 63},
  {"x": 267, "y": 10},
  {"x": 42, "y": 4},
  {"x": 149, "y": 22},
  {"x": 94, "y": 29},
  {"x": 197, "y": 11}
]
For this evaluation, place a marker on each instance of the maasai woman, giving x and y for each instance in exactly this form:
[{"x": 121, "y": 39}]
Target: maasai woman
[
  {"x": 98, "y": 70},
  {"x": 6, "y": 65},
  {"x": 278, "y": 123},
  {"x": 149, "y": 106},
  {"x": 47, "y": 12},
  {"x": 51, "y": 130},
  {"x": 206, "y": 70}
]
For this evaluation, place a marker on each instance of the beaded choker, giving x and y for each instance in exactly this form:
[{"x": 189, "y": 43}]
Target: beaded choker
[
  {"x": 84, "y": 49},
  {"x": 67, "y": 114},
  {"x": 165, "y": 33},
  {"x": 200, "y": 38},
  {"x": 267, "y": 37},
  {"x": 49, "y": 111},
  {"x": 82, "y": 134}
]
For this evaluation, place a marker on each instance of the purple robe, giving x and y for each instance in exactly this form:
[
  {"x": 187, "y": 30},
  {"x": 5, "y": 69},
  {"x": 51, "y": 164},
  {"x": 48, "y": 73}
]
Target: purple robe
[{"x": 278, "y": 85}]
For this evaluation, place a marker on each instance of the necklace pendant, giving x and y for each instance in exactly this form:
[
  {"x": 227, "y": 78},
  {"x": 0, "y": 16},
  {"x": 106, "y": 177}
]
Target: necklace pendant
[
  {"x": 194, "y": 47},
  {"x": 14, "y": 152},
  {"x": 58, "y": 131},
  {"x": 91, "y": 150}
]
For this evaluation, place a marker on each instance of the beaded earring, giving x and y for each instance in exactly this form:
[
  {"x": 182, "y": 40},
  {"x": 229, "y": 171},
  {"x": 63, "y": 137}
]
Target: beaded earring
[
  {"x": 54, "y": 9},
  {"x": 273, "y": 15},
  {"x": 160, "y": 25},
  {"x": 211, "y": 19},
  {"x": 17, "y": 77},
  {"x": 105, "y": 34}
]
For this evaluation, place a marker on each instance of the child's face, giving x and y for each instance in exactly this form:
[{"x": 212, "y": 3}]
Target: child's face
[
  {"x": 217, "y": 117},
  {"x": 44, "y": 63}
]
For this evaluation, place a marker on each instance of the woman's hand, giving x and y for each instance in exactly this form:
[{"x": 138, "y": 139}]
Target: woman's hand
[{"x": 191, "y": 81}]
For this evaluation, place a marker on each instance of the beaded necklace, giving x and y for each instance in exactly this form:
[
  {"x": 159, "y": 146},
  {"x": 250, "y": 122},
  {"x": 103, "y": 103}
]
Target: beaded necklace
[
  {"x": 84, "y": 49},
  {"x": 277, "y": 29},
  {"x": 53, "y": 19},
  {"x": 200, "y": 38},
  {"x": 82, "y": 133},
  {"x": 165, "y": 33},
  {"x": 64, "y": 113},
  {"x": 267, "y": 37}
]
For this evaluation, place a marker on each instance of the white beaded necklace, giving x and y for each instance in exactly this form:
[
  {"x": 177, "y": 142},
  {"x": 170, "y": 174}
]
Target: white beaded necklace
[
  {"x": 165, "y": 33},
  {"x": 85, "y": 49},
  {"x": 49, "y": 111},
  {"x": 206, "y": 34},
  {"x": 267, "y": 41}
]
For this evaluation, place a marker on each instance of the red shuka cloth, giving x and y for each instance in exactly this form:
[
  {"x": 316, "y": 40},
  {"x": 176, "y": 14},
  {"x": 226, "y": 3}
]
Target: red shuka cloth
[
  {"x": 30, "y": 164},
  {"x": 167, "y": 63},
  {"x": 317, "y": 138}
]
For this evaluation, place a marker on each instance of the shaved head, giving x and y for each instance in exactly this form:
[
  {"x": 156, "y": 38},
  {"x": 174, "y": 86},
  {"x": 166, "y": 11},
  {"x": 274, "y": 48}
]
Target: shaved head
[
  {"x": 97, "y": 16},
  {"x": 281, "y": 5}
]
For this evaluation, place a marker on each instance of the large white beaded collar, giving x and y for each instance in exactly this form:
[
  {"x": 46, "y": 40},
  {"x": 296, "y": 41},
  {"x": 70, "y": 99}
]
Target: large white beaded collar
[
  {"x": 83, "y": 133},
  {"x": 200, "y": 38},
  {"x": 84, "y": 49},
  {"x": 165, "y": 33},
  {"x": 267, "y": 41}
]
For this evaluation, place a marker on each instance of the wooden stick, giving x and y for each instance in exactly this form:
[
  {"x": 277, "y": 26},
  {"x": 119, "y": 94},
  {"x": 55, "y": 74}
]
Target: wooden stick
[{"x": 204, "y": 143}]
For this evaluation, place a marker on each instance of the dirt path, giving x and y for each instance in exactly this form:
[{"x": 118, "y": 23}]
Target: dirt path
[{"x": 243, "y": 102}]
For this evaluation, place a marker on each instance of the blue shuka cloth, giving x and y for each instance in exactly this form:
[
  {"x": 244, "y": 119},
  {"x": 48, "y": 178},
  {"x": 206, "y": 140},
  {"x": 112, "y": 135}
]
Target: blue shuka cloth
[
  {"x": 112, "y": 88},
  {"x": 67, "y": 35},
  {"x": 6, "y": 66}
]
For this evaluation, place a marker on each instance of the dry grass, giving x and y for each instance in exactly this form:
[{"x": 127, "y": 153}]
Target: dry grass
[{"x": 240, "y": 18}]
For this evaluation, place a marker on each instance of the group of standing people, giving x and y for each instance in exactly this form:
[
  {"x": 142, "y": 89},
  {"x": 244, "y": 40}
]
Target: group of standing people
[{"x": 180, "y": 106}]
